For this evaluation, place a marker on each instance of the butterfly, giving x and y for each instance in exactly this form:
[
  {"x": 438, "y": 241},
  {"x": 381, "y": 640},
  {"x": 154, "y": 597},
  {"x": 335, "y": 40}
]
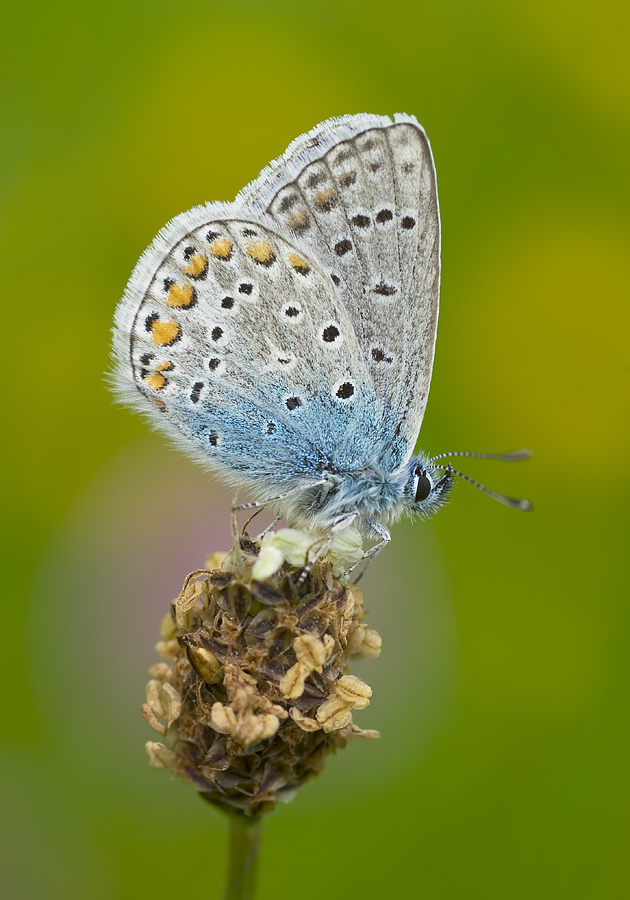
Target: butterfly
[{"x": 286, "y": 340}]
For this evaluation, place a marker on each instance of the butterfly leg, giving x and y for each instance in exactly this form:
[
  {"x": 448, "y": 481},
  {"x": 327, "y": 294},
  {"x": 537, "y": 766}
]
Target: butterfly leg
[
  {"x": 336, "y": 529},
  {"x": 268, "y": 528},
  {"x": 377, "y": 530},
  {"x": 257, "y": 503}
]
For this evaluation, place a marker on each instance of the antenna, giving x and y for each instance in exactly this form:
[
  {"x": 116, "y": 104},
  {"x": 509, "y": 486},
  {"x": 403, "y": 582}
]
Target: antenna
[{"x": 511, "y": 456}]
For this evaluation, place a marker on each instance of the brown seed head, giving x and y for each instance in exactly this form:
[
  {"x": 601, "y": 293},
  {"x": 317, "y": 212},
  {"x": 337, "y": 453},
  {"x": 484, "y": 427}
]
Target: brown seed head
[{"x": 253, "y": 692}]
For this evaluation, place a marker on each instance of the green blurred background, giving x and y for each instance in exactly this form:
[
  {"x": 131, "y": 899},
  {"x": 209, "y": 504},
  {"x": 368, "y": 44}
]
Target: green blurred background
[{"x": 502, "y": 691}]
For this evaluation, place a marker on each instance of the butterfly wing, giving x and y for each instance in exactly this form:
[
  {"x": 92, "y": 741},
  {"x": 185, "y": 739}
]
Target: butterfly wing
[
  {"x": 292, "y": 332},
  {"x": 360, "y": 195},
  {"x": 239, "y": 347}
]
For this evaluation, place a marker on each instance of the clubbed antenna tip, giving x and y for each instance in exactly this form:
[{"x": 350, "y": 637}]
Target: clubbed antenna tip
[{"x": 510, "y": 456}]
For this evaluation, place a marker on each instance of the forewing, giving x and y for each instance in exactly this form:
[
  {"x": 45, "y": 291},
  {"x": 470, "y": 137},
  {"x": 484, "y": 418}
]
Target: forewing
[{"x": 360, "y": 194}]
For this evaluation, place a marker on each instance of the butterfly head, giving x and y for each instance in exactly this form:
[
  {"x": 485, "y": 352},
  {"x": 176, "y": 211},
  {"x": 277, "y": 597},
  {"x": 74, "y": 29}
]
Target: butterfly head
[
  {"x": 429, "y": 483},
  {"x": 427, "y": 488}
]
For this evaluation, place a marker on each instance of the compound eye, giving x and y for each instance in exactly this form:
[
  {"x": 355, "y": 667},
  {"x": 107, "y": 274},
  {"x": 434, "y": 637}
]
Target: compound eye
[{"x": 423, "y": 487}]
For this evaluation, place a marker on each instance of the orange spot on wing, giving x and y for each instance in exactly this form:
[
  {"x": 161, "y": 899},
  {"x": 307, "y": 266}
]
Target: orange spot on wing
[
  {"x": 299, "y": 264},
  {"x": 180, "y": 296},
  {"x": 261, "y": 252},
  {"x": 165, "y": 333},
  {"x": 196, "y": 266},
  {"x": 323, "y": 197},
  {"x": 164, "y": 367},
  {"x": 221, "y": 248},
  {"x": 297, "y": 219},
  {"x": 156, "y": 381}
]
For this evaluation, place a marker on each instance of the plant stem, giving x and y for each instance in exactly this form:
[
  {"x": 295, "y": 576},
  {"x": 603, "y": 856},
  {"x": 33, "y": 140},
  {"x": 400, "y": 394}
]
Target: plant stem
[{"x": 243, "y": 856}]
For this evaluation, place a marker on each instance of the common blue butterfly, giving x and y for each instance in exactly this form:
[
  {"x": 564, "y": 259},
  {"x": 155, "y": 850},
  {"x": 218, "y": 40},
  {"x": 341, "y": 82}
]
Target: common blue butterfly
[{"x": 286, "y": 340}]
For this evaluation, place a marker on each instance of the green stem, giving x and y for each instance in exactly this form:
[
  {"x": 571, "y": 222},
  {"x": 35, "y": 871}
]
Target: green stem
[{"x": 244, "y": 842}]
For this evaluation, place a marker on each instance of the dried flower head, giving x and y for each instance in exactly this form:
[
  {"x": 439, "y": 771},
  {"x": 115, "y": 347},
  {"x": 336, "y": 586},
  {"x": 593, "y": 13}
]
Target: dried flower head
[{"x": 253, "y": 691}]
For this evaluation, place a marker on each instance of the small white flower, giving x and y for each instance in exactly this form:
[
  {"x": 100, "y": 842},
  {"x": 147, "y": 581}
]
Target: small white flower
[
  {"x": 293, "y": 544},
  {"x": 269, "y": 561},
  {"x": 277, "y": 546},
  {"x": 347, "y": 546}
]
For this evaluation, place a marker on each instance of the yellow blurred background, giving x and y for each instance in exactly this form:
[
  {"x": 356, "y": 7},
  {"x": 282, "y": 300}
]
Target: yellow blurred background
[{"x": 503, "y": 770}]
